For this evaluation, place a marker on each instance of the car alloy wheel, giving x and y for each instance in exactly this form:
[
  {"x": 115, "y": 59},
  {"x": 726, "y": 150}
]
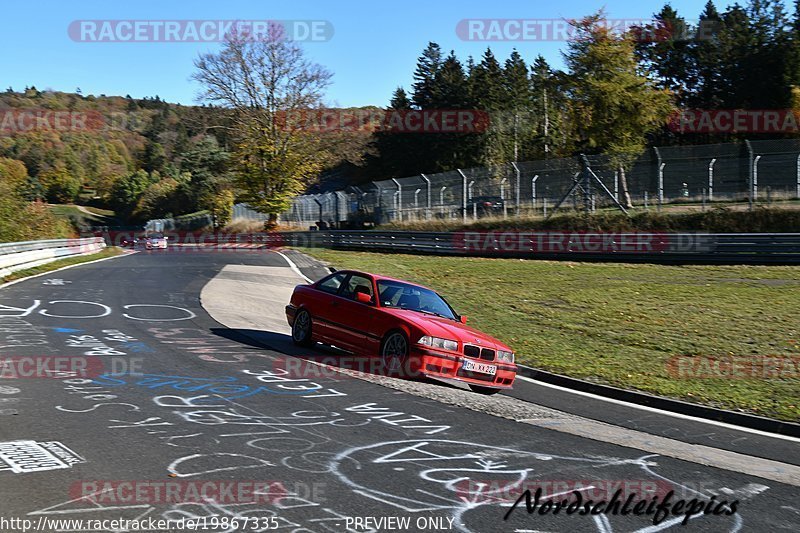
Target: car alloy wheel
[
  {"x": 394, "y": 352},
  {"x": 301, "y": 328}
]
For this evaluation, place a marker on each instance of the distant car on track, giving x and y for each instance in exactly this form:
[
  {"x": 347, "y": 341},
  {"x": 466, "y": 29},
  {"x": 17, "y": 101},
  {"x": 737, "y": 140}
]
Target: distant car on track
[
  {"x": 155, "y": 241},
  {"x": 410, "y": 328}
]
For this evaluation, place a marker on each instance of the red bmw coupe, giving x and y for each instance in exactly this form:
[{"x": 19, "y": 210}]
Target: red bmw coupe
[{"x": 412, "y": 329}]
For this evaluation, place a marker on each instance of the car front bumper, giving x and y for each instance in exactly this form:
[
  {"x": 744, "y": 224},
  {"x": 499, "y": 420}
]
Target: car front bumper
[{"x": 449, "y": 365}]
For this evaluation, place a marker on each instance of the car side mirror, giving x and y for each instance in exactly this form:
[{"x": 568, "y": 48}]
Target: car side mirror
[
  {"x": 363, "y": 298},
  {"x": 463, "y": 319}
]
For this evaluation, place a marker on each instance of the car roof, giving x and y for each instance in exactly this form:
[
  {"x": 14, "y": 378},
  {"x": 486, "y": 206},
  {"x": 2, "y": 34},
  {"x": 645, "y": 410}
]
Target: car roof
[{"x": 378, "y": 277}]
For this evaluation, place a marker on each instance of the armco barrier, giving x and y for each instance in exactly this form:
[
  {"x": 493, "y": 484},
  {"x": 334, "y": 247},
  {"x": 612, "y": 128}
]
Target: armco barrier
[
  {"x": 731, "y": 248},
  {"x": 21, "y": 255}
]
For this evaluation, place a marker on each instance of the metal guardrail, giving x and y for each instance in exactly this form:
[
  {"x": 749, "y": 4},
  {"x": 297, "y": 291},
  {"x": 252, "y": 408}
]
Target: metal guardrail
[
  {"x": 754, "y": 248},
  {"x": 16, "y": 256}
]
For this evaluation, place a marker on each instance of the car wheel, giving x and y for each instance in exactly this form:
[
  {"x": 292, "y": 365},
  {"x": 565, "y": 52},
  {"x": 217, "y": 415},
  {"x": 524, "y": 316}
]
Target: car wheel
[
  {"x": 394, "y": 352},
  {"x": 488, "y": 391},
  {"x": 301, "y": 328}
]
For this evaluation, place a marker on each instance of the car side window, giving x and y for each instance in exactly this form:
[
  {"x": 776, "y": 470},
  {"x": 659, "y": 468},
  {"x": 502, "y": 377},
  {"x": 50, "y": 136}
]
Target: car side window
[
  {"x": 357, "y": 284},
  {"x": 332, "y": 284}
]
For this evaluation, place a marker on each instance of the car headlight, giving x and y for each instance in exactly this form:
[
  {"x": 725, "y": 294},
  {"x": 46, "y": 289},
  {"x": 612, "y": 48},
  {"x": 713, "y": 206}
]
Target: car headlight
[
  {"x": 436, "y": 342},
  {"x": 505, "y": 357}
]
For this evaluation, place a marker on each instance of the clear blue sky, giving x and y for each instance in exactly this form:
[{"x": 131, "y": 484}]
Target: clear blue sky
[{"x": 374, "y": 49}]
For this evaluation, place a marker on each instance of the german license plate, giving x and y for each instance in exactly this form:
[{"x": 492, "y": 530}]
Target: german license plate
[{"x": 482, "y": 368}]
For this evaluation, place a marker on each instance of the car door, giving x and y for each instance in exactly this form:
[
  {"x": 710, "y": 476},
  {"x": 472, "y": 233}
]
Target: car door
[
  {"x": 322, "y": 305},
  {"x": 351, "y": 321}
]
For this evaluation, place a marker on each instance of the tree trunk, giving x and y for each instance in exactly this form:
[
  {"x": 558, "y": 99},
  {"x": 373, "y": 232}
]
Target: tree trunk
[
  {"x": 271, "y": 223},
  {"x": 623, "y": 184}
]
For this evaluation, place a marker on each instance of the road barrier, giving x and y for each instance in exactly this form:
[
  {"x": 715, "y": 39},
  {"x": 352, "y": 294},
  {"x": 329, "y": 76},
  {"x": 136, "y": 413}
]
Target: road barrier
[
  {"x": 731, "y": 248},
  {"x": 21, "y": 255}
]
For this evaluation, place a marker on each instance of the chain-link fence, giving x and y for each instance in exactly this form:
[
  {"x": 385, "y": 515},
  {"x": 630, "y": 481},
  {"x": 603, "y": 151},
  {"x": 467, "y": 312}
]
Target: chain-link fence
[{"x": 675, "y": 177}]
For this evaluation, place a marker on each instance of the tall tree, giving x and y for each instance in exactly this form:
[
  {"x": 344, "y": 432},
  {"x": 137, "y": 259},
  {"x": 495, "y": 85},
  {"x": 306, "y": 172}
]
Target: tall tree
[
  {"x": 489, "y": 96},
  {"x": 428, "y": 66},
  {"x": 518, "y": 96},
  {"x": 448, "y": 150},
  {"x": 705, "y": 91},
  {"x": 268, "y": 82},
  {"x": 549, "y": 112},
  {"x": 393, "y": 148},
  {"x": 663, "y": 49},
  {"x": 615, "y": 104}
]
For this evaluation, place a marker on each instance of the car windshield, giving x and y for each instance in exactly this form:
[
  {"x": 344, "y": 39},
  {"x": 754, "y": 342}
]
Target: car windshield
[{"x": 407, "y": 296}]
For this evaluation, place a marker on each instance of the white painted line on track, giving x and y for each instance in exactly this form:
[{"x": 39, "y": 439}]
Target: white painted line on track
[
  {"x": 662, "y": 412},
  {"x": 293, "y": 266}
]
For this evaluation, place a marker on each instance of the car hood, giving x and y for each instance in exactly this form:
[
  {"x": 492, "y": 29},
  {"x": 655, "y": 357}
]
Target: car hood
[{"x": 447, "y": 329}]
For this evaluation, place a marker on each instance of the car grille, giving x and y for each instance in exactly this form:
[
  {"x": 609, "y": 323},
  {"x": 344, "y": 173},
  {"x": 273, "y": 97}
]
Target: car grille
[{"x": 477, "y": 352}]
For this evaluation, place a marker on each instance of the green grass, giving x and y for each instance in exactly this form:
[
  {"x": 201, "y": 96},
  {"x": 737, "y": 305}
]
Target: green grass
[
  {"x": 720, "y": 219},
  {"x": 97, "y": 217},
  {"x": 619, "y": 324},
  {"x": 47, "y": 267}
]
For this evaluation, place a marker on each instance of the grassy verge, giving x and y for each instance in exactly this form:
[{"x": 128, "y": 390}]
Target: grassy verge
[
  {"x": 620, "y": 324},
  {"x": 717, "y": 220},
  {"x": 88, "y": 216},
  {"x": 67, "y": 261}
]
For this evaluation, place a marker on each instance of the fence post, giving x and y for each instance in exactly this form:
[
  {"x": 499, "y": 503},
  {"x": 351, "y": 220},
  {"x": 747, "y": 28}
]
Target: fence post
[
  {"x": 319, "y": 204},
  {"x": 463, "y": 195},
  {"x": 428, "y": 203},
  {"x": 441, "y": 199},
  {"x": 711, "y": 180},
  {"x": 380, "y": 203},
  {"x": 519, "y": 176},
  {"x": 749, "y": 174},
  {"x": 474, "y": 205},
  {"x": 587, "y": 188},
  {"x": 503, "y": 196},
  {"x": 336, "y": 217},
  {"x": 399, "y": 194},
  {"x": 755, "y": 178},
  {"x": 797, "y": 192}
]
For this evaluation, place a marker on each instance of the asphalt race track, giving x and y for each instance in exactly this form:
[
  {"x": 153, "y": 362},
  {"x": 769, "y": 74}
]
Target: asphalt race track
[{"x": 176, "y": 397}]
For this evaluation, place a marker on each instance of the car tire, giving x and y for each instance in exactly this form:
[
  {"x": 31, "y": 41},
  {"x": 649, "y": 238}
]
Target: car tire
[
  {"x": 301, "y": 329},
  {"x": 487, "y": 391},
  {"x": 394, "y": 353}
]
